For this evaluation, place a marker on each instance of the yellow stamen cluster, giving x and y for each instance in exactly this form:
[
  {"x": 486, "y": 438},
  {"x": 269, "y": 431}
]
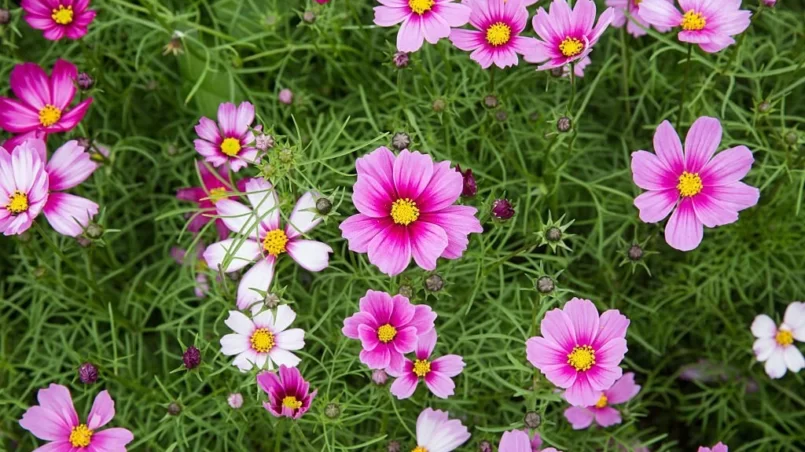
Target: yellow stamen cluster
[
  {"x": 17, "y": 203},
  {"x": 571, "y": 47},
  {"x": 690, "y": 184},
  {"x": 498, "y": 34},
  {"x": 420, "y": 6},
  {"x": 262, "y": 340},
  {"x": 230, "y": 146},
  {"x": 291, "y": 402},
  {"x": 217, "y": 194},
  {"x": 63, "y": 15},
  {"x": 602, "y": 402},
  {"x": 693, "y": 21},
  {"x": 784, "y": 338},
  {"x": 404, "y": 211},
  {"x": 275, "y": 241},
  {"x": 49, "y": 115},
  {"x": 582, "y": 358},
  {"x": 419, "y": 449},
  {"x": 386, "y": 333},
  {"x": 421, "y": 367},
  {"x": 81, "y": 436}
]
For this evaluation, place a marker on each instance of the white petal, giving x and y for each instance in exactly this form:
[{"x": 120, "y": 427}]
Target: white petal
[
  {"x": 793, "y": 359},
  {"x": 258, "y": 277},
  {"x": 263, "y": 198},
  {"x": 283, "y": 357},
  {"x": 795, "y": 315},
  {"x": 237, "y": 217},
  {"x": 764, "y": 326},
  {"x": 304, "y": 216},
  {"x": 233, "y": 344},
  {"x": 260, "y": 360},
  {"x": 236, "y": 253},
  {"x": 242, "y": 361},
  {"x": 293, "y": 339},
  {"x": 239, "y": 323},
  {"x": 763, "y": 348},
  {"x": 265, "y": 319},
  {"x": 311, "y": 255},
  {"x": 775, "y": 366},
  {"x": 285, "y": 317}
]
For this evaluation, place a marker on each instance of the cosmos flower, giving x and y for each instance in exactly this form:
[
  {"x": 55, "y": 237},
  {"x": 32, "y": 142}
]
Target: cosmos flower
[
  {"x": 388, "y": 327},
  {"x": 56, "y": 420},
  {"x": 602, "y": 412},
  {"x": 235, "y": 400},
  {"x": 232, "y": 142},
  {"x": 518, "y": 441},
  {"x": 261, "y": 239},
  {"x": 720, "y": 447},
  {"x": 215, "y": 185},
  {"x": 59, "y": 18},
  {"x": 496, "y": 39},
  {"x": 579, "y": 351},
  {"x": 775, "y": 345},
  {"x": 405, "y": 206},
  {"x": 202, "y": 281},
  {"x": 421, "y": 20},
  {"x": 288, "y": 393},
  {"x": 633, "y": 8},
  {"x": 263, "y": 339},
  {"x": 24, "y": 188},
  {"x": 700, "y": 189},
  {"x": 435, "y": 432},
  {"x": 711, "y": 24},
  {"x": 436, "y": 373}
]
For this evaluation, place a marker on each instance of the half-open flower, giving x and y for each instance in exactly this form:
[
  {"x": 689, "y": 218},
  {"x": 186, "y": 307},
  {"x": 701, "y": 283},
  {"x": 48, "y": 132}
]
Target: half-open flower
[
  {"x": 602, "y": 412},
  {"x": 263, "y": 339},
  {"x": 775, "y": 346},
  {"x": 288, "y": 393},
  {"x": 436, "y": 373},
  {"x": 230, "y": 141}
]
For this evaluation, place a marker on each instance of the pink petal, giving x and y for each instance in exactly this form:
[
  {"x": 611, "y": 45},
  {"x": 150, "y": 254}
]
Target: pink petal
[
  {"x": 440, "y": 385},
  {"x": 228, "y": 119},
  {"x": 649, "y": 172},
  {"x": 654, "y": 206},
  {"x": 684, "y": 231},
  {"x": 69, "y": 214},
  {"x": 258, "y": 278},
  {"x": 30, "y": 83},
  {"x": 69, "y": 166},
  {"x": 378, "y": 358},
  {"x": 455, "y": 14},
  {"x": 428, "y": 242},
  {"x": 405, "y": 340},
  {"x": 410, "y": 37},
  {"x": 603, "y": 22},
  {"x": 558, "y": 328},
  {"x": 668, "y": 147},
  {"x": 623, "y": 390},
  {"x": 412, "y": 174},
  {"x": 62, "y": 84},
  {"x": 728, "y": 166},
  {"x": 46, "y": 424},
  {"x": 56, "y": 446},
  {"x": 111, "y": 439},
  {"x": 584, "y": 317},
  {"x": 371, "y": 198},
  {"x": 237, "y": 217},
  {"x": 71, "y": 118},
  {"x": 582, "y": 18},
  {"x": 390, "y": 251},
  {"x": 579, "y": 417},
  {"x": 17, "y": 118},
  {"x": 607, "y": 416},
  {"x": 263, "y": 198},
  {"x": 713, "y": 213},
  {"x": 435, "y": 27},
  {"x": 207, "y": 129},
  {"x": 404, "y": 386},
  {"x": 57, "y": 398},
  {"x": 311, "y": 255},
  {"x": 612, "y": 325},
  {"x": 425, "y": 344},
  {"x": 736, "y": 196},
  {"x": 389, "y": 16},
  {"x": 581, "y": 393},
  {"x": 701, "y": 143},
  {"x": 458, "y": 222},
  {"x": 103, "y": 410},
  {"x": 368, "y": 337},
  {"x": 660, "y": 13},
  {"x": 443, "y": 189},
  {"x": 379, "y": 305},
  {"x": 466, "y": 40},
  {"x": 244, "y": 118},
  {"x": 515, "y": 441},
  {"x": 378, "y": 165},
  {"x": 448, "y": 365},
  {"x": 360, "y": 229}
]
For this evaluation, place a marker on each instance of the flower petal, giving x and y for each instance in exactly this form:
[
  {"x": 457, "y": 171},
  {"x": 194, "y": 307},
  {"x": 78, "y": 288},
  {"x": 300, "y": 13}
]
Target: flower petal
[
  {"x": 258, "y": 277},
  {"x": 231, "y": 254},
  {"x": 304, "y": 216},
  {"x": 69, "y": 166},
  {"x": 311, "y": 255},
  {"x": 684, "y": 230},
  {"x": 701, "y": 143},
  {"x": 579, "y": 417},
  {"x": 103, "y": 410},
  {"x": 69, "y": 214}
]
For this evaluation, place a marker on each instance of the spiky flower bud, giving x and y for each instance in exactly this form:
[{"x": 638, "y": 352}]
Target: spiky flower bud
[
  {"x": 394, "y": 446},
  {"x": 490, "y": 101},
  {"x": 532, "y": 420},
  {"x": 553, "y": 234},
  {"x": 191, "y": 357},
  {"x": 271, "y": 301},
  {"x": 94, "y": 231},
  {"x": 439, "y": 105},
  {"x": 264, "y": 142},
  {"x": 764, "y": 106},
  {"x": 470, "y": 188},
  {"x": 323, "y": 206},
  {"x": 235, "y": 400},
  {"x": 286, "y": 155},
  {"x": 791, "y": 138},
  {"x": 332, "y": 410},
  {"x": 400, "y": 141},
  {"x": 285, "y": 96},
  {"x": 502, "y": 209},
  {"x": 88, "y": 373},
  {"x": 309, "y": 17},
  {"x": 400, "y": 59},
  {"x": 635, "y": 253},
  {"x": 174, "y": 409},
  {"x": 563, "y": 124},
  {"x": 485, "y": 446},
  {"x": 406, "y": 291},
  {"x": 434, "y": 283},
  {"x": 85, "y": 81},
  {"x": 501, "y": 115},
  {"x": 545, "y": 285},
  {"x": 379, "y": 377}
]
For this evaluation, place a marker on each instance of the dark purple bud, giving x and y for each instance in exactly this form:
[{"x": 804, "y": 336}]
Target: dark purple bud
[
  {"x": 470, "y": 188},
  {"x": 563, "y": 124},
  {"x": 85, "y": 81},
  {"x": 485, "y": 446},
  {"x": 502, "y": 209},
  {"x": 174, "y": 409},
  {"x": 88, "y": 373},
  {"x": 400, "y": 59},
  {"x": 191, "y": 357}
]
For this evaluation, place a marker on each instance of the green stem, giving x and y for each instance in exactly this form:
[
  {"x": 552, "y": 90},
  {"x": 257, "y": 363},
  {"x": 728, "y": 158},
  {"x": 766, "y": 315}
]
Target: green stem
[
  {"x": 572, "y": 89},
  {"x": 625, "y": 77},
  {"x": 684, "y": 88},
  {"x": 492, "y": 80}
]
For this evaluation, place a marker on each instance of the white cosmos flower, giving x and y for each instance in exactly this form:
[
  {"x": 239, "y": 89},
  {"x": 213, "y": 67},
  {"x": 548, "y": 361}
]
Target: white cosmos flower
[
  {"x": 263, "y": 339},
  {"x": 776, "y": 345}
]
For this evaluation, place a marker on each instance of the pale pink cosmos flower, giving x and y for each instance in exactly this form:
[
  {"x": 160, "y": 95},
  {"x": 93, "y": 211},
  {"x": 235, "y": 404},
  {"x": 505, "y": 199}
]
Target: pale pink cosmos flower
[
  {"x": 261, "y": 239},
  {"x": 775, "y": 345},
  {"x": 710, "y": 24},
  {"x": 566, "y": 36},
  {"x": 288, "y": 393},
  {"x": 579, "y": 351},
  {"x": 633, "y": 8},
  {"x": 235, "y": 400},
  {"x": 263, "y": 339},
  {"x": 232, "y": 143},
  {"x": 56, "y": 420},
  {"x": 405, "y": 206},
  {"x": 24, "y": 188},
  {"x": 43, "y": 105},
  {"x": 422, "y": 20},
  {"x": 720, "y": 447},
  {"x": 518, "y": 441},
  {"x": 700, "y": 189},
  {"x": 436, "y": 432},
  {"x": 602, "y": 412},
  {"x": 285, "y": 96},
  {"x": 496, "y": 39},
  {"x": 436, "y": 373},
  {"x": 59, "y": 18},
  {"x": 215, "y": 185},
  {"x": 388, "y": 327}
]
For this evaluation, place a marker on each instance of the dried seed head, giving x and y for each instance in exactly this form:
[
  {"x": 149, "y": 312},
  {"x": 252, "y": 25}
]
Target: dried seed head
[
  {"x": 553, "y": 235},
  {"x": 323, "y": 206},
  {"x": 271, "y": 301},
  {"x": 439, "y": 105},
  {"x": 400, "y": 141},
  {"x": 191, "y": 357},
  {"x": 332, "y": 410},
  {"x": 635, "y": 253},
  {"x": 264, "y": 142},
  {"x": 502, "y": 209},
  {"x": 400, "y": 59},
  {"x": 88, "y": 373},
  {"x": 532, "y": 420},
  {"x": 394, "y": 446},
  {"x": 563, "y": 124},
  {"x": 501, "y": 115},
  {"x": 490, "y": 101},
  {"x": 406, "y": 291},
  {"x": 235, "y": 400},
  {"x": 174, "y": 409},
  {"x": 379, "y": 377},
  {"x": 85, "y": 81},
  {"x": 434, "y": 283},
  {"x": 309, "y": 17},
  {"x": 545, "y": 285}
]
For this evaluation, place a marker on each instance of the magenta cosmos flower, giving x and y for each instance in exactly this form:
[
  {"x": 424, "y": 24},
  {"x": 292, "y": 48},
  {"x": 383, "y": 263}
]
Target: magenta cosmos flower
[
  {"x": 59, "y": 18},
  {"x": 700, "y": 189},
  {"x": 710, "y": 24},
  {"x": 288, "y": 393},
  {"x": 436, "y": 432},
  {"x": 56, "y": 420},
  {"x": 215, "y": 185},
  {"x": 436, "y": 373},
  {"x": 619, "y": 18},
  {"x": 518, "y": 441},
  {"x": 232, "y": 142},
  {"x": 405, "y": 206},
  {"x": 566, "y": 36},
  {"x": 496, "y": 39},
  {"x": 388, "y": 327},
  {"x": 24, "y": 188},
  {"x": 602, "y": 412},
  {"x": 421, "y": 20},
  {"x": 579, "y": 351},
  {"x": 720, "y": 447},
  {"x": 775, "y": 345},
  {"x": 43, "y": 105}
]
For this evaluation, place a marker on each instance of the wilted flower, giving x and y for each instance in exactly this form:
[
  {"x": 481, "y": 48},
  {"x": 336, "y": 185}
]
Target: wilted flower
[
  {"x": 469, "y": 188},
  {"x": 400, "y": 59}
]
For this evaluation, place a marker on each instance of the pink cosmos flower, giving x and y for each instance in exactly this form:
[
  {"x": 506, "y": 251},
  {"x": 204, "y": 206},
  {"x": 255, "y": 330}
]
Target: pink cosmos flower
[
  {"x": 215, "y": 185},
  {"x": 566, "y": 36},
  {"x": 633, "y": 8},
  {"x": 263, "y": 240},
  {"x": 388, "y": 327},
  {"x": 700, "y": 189},
  {"x": 24, "y": 188},
  {"x": 435, "y": 432},
  {"x": 56, "y": 420},
  {"x": 602, "y": 412},
  {"x": 43, "y": 105},
  {"x": 405, "y": 206},
  {"x": 437, "y": 373},
  {"x": 580, "y": 352},
  {"x": 59, "y": 18},
  {"x": 497, "y": 37},
  {"x": 710, "y": 24},
  {"x": 288, "y": 394},
  {"x": 720, "y": 447},
  {"x": 518, "y": 441},
  {"x": 775, "y": 345},
  {"x": 263, "y": 339},
  {"x": 232, "y": 143},
  {"x": 421, "y": 20},
  {"x": 202, "y": 282}
]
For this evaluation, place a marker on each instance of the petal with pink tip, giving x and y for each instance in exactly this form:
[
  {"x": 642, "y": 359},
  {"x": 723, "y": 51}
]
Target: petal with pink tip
[
  {"x": 70, "y": 119},
  {"x": 360, "y": 229},
  {"x": 63, "y": 84},
  {"x": 607, "y": 416},
  {"x": 69, "y": 166},
  {"x": 684, "y": 231},
  {"x": 448, "y": 365},
  {"x": 30, "y": 83},
  {"x": 17, "y": 118},
  {"x": 103, "y": 410},
  {"x": 728, "y": 166},
  {"x": 410, "y": 37},
  {"x": 390, "y": 250},
  {"x": 228, "y": 119},
  {"x": 623, "y": 390},
  {"x": 57, "y": 398},
  {"x": 428, "y": 242},
  {"x": 649, "y": 173},
  {"x": 701, "y": 143},
  {"x": 654, "y": 206},
  {"x": 69, "y": 214},
  {"x": 256, "y": 282},
  {"x": 440, "y": 385},
  {"x": 111, "y": 439},
  {"x": 404, "y": 386},
  {"x": 311, "y": 255},
  {"x": 581, "y": 393}
]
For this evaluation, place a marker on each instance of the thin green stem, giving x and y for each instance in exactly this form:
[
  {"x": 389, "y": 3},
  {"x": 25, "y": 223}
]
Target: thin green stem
[
  {"x": 572, "y": 89},
  {"x": 625, "y": 77},
  {"x": 684, "y": 87}
]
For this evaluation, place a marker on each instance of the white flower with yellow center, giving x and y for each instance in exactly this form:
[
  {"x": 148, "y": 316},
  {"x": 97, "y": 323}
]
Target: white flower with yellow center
[
  {"x": 264, "y": 339},
  {"x": 775, "y": 345}
]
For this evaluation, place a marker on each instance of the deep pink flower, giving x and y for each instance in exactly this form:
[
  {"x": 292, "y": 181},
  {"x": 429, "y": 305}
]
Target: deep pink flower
[
  {"x": 497, "y": 37},
  {"x": 700, "y": 189},
  {"x": 580, "y": 352},
  {"x": 202, "y": 281},
  {"x": 436, "y": 373},
  {"x": 720, "y": 447},
  {"x": 421, "y": 20},
  {"x": 602, "y": 412},
  {"x": 710, "y": 24},
  {"x": 56, "y": 420},
  {"x": 322, "y": 2},
  {"x": 436, "y": 432},
  {"x": 566, "y": 36},
  {"x": 405, "y": 206},
  {"x": 776, "y": 345},
  {"x": 288, "y": 393},
  {"x": 261, "y": 239},
  {"x": 518, "y": 441},
  {"x": 388, "y": 328},
  {"x": 59, "y": 18},
  {"x": 633, "y": 8},
  {"x": 24, "y": 188},
  {"x": 215, "y": 185},
  {"x": 43, "y": 105},
  {"x": 233, "y": 142}
]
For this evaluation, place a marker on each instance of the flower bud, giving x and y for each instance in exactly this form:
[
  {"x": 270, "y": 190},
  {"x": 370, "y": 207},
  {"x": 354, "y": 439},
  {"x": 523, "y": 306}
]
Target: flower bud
[
  {"x": 94, "y": 231},
  {"x": 791, "y": 138},
  {"x": 85, "y": 81},
  {"x": 563, "y": 124},
  {"x": 485, "y": 446},
  {"x": 490, "y": 101},
  {"x": 764, "y": 107},
  {"x": 271, "y": 301},
  {"x": 394, "y": 446},
  {"x": 332, "y": 410},
  {"x": 174, "y": 409},
  {"x": 406, "y": 291},
  {"x": 88, "y": 373},
  {"x": 286, "y": 156},
  {"x": 635, "y": 253},
  {"x": 379, "y": 377},
  {"x": 553, "y": 234},
  {"x": 434, "y": 283},
  {"x": 502, "y": 209},
  {"x": 264, "y": 142},
  {"x": 323, "y": 206},
  {"x": 40, "y": 272},
  {"x": 532, "y": 420},
  {"x": 545, "y": 285},
  {"x": 400, "y": 59},
  {"x": 286, "y": 96},
  {"x": 470, "y": 188},
  {"x": 309, "y": 17},
  {"x": 191, "y": 357},
  {"x": 5, "y": 16},
  {"x": 439, "y": 105},
  {"x": 501, "y": 115},
  {"x": 770, "y": 3},
  {"x": 557, "y": 71},
  {"x": 400, "y": 141}
]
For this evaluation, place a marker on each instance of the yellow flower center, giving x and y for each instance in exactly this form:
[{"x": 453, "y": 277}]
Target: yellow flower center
[
  {"x": 201, "y": 266},
  {"x": 420, "y": 6},
  {"x": 386, "y": 333},
  {"x": 421, "y": 367},
  {"x": 275, "y": 242},
  {"x": 784, "y": 338},
  {"x": 419, "y": 449},
  {"x": 571, "y": 47},
  {"x": 80, "y": 436},
  {"x": 636, "y": 2},
  {"x": 581, "y": 358},
  {"x": 404, "y": 211},
  {"x": 498, "y": 34},
  {"x": 230, "y": 146},
  {"x": 217, "y": 194},
  {"x": 291, "y": 402},
  {"x": 262, "y": 340},
  {"x": 49, "y": 115},
  {"x": 690, "y": 184},
  {"x": 693, "y": 21},
  {"x": 602, "y": 402},
  {"x": 17, "y": 203},
  {"x": 62, "y": 15}
]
